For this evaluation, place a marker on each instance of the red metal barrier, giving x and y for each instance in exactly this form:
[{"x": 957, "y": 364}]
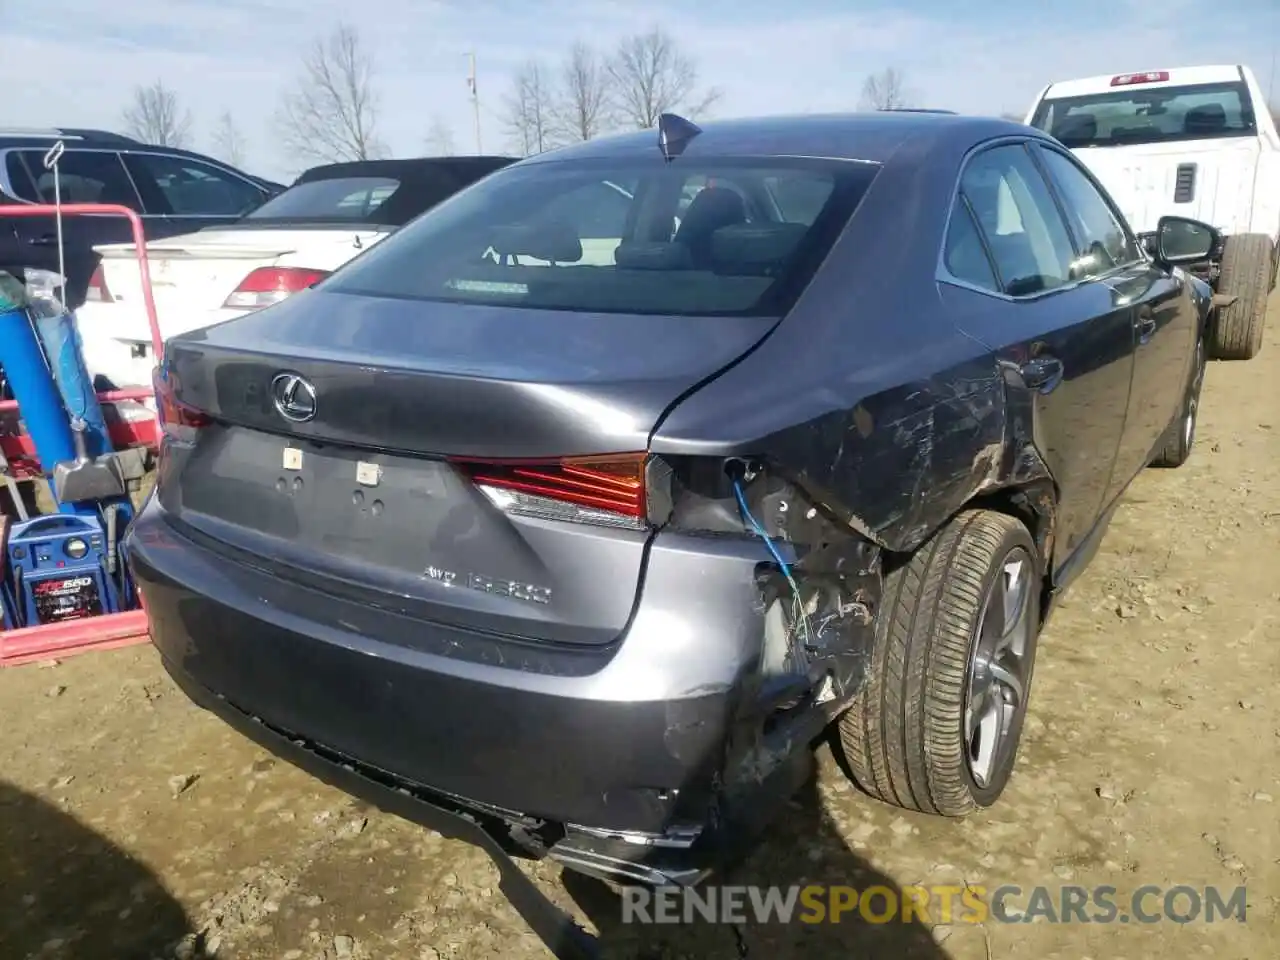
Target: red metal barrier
[
  {"x": 30, "y": 644},
  {"x": 139, "y": 244},
  {"x": 104, "y": 396}
]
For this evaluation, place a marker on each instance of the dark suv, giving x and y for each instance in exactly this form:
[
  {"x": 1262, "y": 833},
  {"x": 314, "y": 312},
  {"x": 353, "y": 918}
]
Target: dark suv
[{"x": 176, "y": 191}]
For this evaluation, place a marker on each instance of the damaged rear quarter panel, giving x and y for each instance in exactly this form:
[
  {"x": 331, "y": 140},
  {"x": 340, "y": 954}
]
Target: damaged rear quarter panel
[{"x": 867, "y": 395}]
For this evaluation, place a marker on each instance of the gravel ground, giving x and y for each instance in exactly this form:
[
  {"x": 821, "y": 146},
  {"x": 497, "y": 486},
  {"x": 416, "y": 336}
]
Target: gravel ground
[{"x": 130, "y": 820}]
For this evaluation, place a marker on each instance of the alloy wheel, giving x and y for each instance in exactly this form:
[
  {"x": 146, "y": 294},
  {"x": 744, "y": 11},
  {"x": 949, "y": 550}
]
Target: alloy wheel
[
  {"x": 1193, "y": 397},
  {"x": 999, "y": 670}
]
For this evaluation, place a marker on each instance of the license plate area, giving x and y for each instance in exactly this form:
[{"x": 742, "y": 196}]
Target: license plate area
[{"x": 358, "y": 508}]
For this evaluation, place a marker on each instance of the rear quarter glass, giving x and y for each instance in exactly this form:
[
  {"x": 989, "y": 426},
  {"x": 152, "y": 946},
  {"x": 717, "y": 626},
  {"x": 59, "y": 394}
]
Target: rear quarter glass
[{"x": 702, "y": 237}]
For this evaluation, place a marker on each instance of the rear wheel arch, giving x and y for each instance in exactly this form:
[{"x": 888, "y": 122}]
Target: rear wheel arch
[
  {"x": 906, "y": 737},
  {"x": 1033, "y": 503}
]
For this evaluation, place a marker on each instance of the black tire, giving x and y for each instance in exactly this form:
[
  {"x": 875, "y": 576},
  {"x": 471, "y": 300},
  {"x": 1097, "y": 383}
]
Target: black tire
[
  {"x": 1175, "y": 447},
  {"x": 904, "y": 739},
  {"x": 1248, "y": 267}
]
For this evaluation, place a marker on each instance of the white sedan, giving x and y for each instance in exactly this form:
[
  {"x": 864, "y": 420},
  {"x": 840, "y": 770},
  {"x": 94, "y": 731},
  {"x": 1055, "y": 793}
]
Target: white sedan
[{"x": 326, "y": 218}]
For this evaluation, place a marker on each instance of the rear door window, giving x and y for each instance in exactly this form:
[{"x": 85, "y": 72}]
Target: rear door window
[
  {"x": 1019, "y": 220},
  {"x": 700, "y": 237},
  {"x": 799, "y": 198},
  {"x": 1104, "y": 243},
  {"x": 20, "y": 185},
  {"x": 86, "y": 176},
  {"x": 190, "y": 188}
]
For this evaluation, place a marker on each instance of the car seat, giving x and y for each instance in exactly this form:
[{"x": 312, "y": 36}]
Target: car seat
[{"x": 712, "y": 209}]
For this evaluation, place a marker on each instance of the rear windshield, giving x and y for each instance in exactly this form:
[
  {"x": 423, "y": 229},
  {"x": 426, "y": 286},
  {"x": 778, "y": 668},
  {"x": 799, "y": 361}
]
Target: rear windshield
[
  {"x": 1149, "y": 115},
  {"x": 695, "y": 237},
  {"x": 352, "y": 198}
]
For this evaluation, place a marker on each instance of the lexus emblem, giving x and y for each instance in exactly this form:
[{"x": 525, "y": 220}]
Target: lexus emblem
[{"x": 294, "y": 397}]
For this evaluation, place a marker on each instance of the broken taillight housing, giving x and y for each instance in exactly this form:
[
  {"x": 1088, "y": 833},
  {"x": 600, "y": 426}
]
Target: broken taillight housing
[
  {"x": 1128, "y": 79},
  {"x": 606, "y": 491}
]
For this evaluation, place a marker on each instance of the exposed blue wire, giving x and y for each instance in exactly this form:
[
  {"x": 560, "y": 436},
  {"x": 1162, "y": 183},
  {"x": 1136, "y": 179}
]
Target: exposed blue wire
[
  {"x": 782, "y": 564},
  {"x": 760, "y": 532}
]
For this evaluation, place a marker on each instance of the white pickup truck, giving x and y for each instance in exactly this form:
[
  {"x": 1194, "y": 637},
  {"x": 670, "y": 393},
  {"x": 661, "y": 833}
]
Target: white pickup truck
[{"x": 1196, "y": 142}]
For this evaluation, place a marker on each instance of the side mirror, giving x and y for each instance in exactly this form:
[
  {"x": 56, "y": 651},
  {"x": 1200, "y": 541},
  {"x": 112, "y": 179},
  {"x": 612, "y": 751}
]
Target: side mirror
[{"x": 1180, "y": 240}]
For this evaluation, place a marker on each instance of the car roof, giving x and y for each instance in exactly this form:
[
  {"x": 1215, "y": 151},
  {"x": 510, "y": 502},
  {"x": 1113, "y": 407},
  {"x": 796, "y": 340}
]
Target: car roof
[
  {"x": 1178, "y": 76},
  {"x": 422, "y": 182},
  {"x": 72, "y": 136},
  {"x": 873, "y": 137},
  {"x": 42, "y": 138},
  {"x": 409, "y": 168}
]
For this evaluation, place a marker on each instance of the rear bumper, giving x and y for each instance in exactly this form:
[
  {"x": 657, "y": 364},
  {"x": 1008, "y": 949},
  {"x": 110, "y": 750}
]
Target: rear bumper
[
  {"x": 556, "y": 929},
  {"x": 617, "y": 761}
]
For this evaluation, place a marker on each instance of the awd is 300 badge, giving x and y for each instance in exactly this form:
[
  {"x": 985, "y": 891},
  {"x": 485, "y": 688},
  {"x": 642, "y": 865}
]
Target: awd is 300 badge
[{"x": 497, "y": 586}]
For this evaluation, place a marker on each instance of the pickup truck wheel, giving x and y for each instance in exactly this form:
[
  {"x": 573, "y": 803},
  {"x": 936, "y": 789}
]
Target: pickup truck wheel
[
  {"x": 1248, "y": 265},
  {"x": 1175, "y": 447},
  {"x": 937, "y": 725}
]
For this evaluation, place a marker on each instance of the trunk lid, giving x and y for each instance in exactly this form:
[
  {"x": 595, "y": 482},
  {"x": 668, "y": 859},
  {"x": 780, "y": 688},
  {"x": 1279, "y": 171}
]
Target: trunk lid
[
  {"x": 1208, "y": 180},
  {"x": 362, "y": 498},
  {"x": 193, "y": 274}
]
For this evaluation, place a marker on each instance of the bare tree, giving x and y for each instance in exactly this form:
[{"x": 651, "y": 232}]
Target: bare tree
[
  {"x": 154, "y": 117},
  {"x": 886, "y": 90},
  {"x": 331, "y": 115},
  {"x": 652, "y": 76},
  {"x": 228, "y": 144},
  {"x": 581, "y": 109},
  {"x": 440, "y": 138},
  {"x": 528, "y": 109}
]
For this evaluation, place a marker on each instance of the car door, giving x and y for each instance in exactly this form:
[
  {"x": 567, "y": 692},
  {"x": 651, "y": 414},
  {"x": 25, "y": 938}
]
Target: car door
[
  {"x": 183, "y": 194},
  {"x": 85, "y": 176},
  {"x": 1066, "y": 345},
  {"x": 1165, "y": 317}
]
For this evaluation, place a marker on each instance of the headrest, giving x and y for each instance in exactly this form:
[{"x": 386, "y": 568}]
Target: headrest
[
  {"x": 712, "y": 207},
  {"x": 1206, "y": 118}
]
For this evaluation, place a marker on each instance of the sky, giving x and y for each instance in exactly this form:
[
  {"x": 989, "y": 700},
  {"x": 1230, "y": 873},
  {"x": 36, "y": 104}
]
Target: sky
[{"x": 76, "y": 62}]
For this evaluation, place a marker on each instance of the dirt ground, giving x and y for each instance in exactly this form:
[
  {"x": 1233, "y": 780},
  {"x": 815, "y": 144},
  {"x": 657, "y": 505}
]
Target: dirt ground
[{"x": 130, "y": 820}]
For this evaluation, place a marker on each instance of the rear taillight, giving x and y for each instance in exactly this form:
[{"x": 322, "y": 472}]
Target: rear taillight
[
  {"x": 98, "y": 288},
  {"x": 267, "y": 285},
  {"x": 176, "y": 418},
  {"x": 608, "y": 490},
  {"x": 1128, "y": 79}
]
